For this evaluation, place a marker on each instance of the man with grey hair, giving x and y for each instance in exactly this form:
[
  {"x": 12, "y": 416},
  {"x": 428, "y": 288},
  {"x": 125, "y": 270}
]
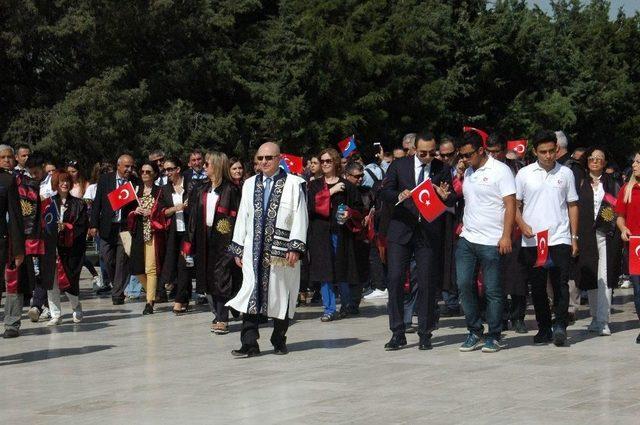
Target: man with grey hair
[
  {"x": 409, "y": 144},
  {"x": 157, "y": 156},
  {"x": 11, "y": 243},
  {"x": 110, "y": 224},
  {"x": 562, "y": 153}
]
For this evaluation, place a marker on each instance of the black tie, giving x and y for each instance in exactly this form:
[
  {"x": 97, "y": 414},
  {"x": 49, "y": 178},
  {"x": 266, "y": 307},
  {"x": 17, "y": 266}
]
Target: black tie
[{"x": 421, "y": 175}]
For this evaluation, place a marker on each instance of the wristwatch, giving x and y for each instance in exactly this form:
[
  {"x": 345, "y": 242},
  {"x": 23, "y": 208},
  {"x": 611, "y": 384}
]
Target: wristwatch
[{"x": 575, "y": 237}]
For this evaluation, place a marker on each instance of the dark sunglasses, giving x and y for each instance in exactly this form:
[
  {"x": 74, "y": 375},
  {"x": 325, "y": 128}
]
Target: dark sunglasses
[
  {"x": 266, "y": 158},
  {"x": 170, "y": 169},
  {"x": 422, "y": 154},
  {"x": 72, "y": 164},
  {"x": 326, "y": 161},
  {"x": 357, "y": 176},
  {"x": 146, "y": 171},
  {"x": 447, "y": 155},
  {"x": 468, "y": 154},
  {"x": 405, "y": 150}
]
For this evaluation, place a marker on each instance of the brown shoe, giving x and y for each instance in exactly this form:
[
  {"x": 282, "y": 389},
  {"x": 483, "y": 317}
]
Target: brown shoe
[{"x": 221, "y": 328}]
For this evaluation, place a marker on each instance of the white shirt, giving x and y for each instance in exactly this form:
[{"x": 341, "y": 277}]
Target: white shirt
[
  {"x": 484, "y": 190},
  {"x": 598, "y": 196},
  {"x": 90, "y": 193},
  {"x": 212, "y": 201},
  {"x": 161, "y": 181},
  {"x": 177, "y": 199},
  {"x": 545, "y": 196},
  {"x": 417, "y": 165}
]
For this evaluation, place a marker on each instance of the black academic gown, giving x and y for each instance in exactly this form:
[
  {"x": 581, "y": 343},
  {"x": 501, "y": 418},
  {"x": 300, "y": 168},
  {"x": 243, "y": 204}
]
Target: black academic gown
[
  {"x": 69, "y": 244},
  {"x": 174, "y": 238}
]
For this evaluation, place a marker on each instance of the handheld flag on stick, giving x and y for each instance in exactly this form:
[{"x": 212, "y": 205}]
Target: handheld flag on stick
[
  {"x": 122, "y": 196},
  {"x": 347, "y": 146}
]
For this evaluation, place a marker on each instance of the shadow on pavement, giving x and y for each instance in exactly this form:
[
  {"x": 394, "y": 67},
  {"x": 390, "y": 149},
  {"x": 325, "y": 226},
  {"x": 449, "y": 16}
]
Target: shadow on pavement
[{"x": 34, "y": 356}]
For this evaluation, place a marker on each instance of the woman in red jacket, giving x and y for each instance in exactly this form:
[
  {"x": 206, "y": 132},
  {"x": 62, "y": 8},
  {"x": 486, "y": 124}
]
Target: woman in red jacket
[{"x": 628, "y": 209}]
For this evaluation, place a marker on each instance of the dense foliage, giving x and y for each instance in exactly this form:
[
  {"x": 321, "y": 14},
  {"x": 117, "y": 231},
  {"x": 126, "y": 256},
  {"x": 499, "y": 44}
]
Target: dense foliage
[{"x": 90, "y": 78}]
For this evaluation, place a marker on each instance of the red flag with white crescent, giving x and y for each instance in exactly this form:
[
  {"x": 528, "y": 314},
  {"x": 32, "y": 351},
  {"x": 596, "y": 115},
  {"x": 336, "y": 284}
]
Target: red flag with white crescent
[
  {"x": 294, "y": 163},
  {"x": 518, "y": 146},
  {"x": 427, "y": 201},
  {"x": 634, "y": 255},
  {"x": 543, "y": 248},
  {"x": 122, "y": 196}
]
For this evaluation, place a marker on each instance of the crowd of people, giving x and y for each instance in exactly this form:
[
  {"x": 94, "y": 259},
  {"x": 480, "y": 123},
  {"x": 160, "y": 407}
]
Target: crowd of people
[{"x": 260, "y": 241}]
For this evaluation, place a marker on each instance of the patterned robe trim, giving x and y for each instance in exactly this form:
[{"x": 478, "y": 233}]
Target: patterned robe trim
[
  {"x": 296, "y": 245},
  {"x": 264, "y": 228},
  {"x": 235, "y": 249}
]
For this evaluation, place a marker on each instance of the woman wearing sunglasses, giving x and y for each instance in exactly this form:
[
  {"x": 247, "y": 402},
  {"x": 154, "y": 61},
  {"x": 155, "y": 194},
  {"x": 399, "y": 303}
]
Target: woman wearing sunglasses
[
  {"x": 332, "y": 233},
  {"x": 147, "y": 226}
]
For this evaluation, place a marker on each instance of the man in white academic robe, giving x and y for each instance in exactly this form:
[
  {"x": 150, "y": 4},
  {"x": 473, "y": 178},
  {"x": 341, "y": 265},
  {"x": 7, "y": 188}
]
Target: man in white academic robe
[{"x": 269, "y": 236}]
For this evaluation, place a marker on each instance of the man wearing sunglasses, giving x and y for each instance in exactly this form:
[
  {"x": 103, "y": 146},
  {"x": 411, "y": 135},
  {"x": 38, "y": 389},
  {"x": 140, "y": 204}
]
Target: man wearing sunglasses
[
  {"x": 269, "y": 236},
  {"x": 410, "y": 235}
]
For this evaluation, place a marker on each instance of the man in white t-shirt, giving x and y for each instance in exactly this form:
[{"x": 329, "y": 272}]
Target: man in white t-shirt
[
  {"x": 490, "y": 207},
  {"x": 547, "y": 200}
]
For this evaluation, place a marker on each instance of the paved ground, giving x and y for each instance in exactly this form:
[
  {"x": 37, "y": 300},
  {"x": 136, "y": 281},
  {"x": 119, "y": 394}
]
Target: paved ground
[{"x": 118, "y": 367}]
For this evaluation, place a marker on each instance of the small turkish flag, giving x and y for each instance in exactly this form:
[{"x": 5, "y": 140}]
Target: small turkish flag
[
  {"x": 123, "y": 195},
  {"x": 634, "y": 255},
  {"x": 518, "y": 146},
  {"x": 543, "y": 248},
  {"x": 483, "y": 134},
  {"x": 293, "y": 163},
  {"x": 427, "y": 201}
]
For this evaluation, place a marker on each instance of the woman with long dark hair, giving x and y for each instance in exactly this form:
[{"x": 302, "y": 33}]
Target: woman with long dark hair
[
  {"x": 65, "y": 224},
  {"x": 147, "y": 226},
  {"x": 598, "y": 265},
  {"x": 335, "y": 216},
  {"x": 236, "y": 171},
  {"x": 212, "y": 214},
  {"x": 174, "y": 205}
]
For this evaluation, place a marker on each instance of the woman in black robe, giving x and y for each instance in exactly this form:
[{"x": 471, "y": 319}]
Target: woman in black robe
[
  {"x": 212, "y": 214},
  {"x": 147, "y": 225},
  {"x": 174, "y": 206},
  {"x": 332, "y": 244},
  {"x": 65, "y": 224},
  {"x": 599, "y": 240}
]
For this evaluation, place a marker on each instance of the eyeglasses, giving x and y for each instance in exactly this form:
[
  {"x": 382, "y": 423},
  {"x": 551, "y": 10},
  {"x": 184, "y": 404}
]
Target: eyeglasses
[
  {"x": 468, "y": 154},
  {"x": 432, "y": 153},
  {"x": 326, "y": 161},
  {"x": 357, "y": 176},
  {"x": 146, "y": 171},
  {"x": 170, "y": 169},
  {"x": 595, "y": 159},
  {"x": 447, "y": 155},
  {"x": 159, "y": 159},
  {"x": 266, "y": 158}
]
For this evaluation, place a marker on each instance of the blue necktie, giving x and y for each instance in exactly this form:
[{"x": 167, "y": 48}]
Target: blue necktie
[
  {"x": 267, "y": 192},
  {"x": 421, "y": 175}
]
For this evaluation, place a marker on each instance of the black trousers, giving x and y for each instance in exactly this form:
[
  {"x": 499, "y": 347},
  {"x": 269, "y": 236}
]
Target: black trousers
[
  {"x": 249, "y": 334},
  {"x": 116, "y": 261},
  {"x": 377, "y": 269},
  {"x": 558, "y": 273},
  {"x": 399, "y": 257}
]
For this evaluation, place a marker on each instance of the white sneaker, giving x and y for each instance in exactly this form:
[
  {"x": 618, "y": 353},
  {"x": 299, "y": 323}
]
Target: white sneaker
[
  {"x": 77, "y": 316},
  {"x": 377, "y": 295},
  {"x": 98, "y": 282},
  {"x": 55, "y": 321},
  {"x": 34, "y": 314},
  {"x": 604, "y": 330},
  {"x": 594, "y": 326},
  {"x": 46, "y": 313}
]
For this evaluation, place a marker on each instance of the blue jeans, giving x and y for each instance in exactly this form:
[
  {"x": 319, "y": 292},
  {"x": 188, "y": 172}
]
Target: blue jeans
[
  {"x": 635, "y": 280},
  {"x": 327, "y": 291},
  {"x": 468, "y": 255},
  {"x": 134, "y": 287}
]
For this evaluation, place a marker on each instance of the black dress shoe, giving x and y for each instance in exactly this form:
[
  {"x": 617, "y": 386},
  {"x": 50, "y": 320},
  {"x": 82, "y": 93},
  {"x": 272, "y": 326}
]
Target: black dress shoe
[
  {"x": 148, "y": 309},
  {"x": 280, "y": 349},
  {"x": 246, "y": 351},
  {"x": 117, "y": 301},
  {"x": 544, "y": 336},
  {"x": 395, "y": 343},
  {"x": 425, "y": 343},
  {"x": 11, "y": 333}
]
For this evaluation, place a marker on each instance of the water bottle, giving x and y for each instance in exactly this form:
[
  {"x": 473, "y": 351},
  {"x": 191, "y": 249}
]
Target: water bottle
[
  {"x": 188, "y": 259},
  {"x": 340, "y": 214}
]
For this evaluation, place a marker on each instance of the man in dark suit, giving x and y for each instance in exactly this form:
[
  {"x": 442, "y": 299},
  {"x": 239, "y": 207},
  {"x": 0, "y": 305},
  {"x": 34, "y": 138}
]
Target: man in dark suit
[
  {"x": 108, "y": 224},
  {"x": 11, "y": 243},
  {"x": 410, "y": 235}
]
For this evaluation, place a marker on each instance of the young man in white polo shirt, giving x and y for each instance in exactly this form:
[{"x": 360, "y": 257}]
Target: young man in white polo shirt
[
  {"x": 489, "y": 213},
  {"x": 547, "y": 200}
]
